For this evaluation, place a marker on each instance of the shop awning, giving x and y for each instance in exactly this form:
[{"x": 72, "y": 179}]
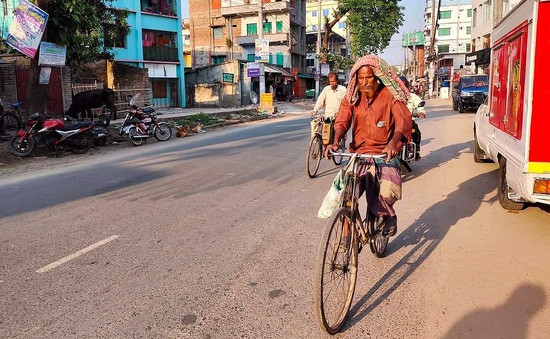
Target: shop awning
[
  {"x": 305, "y": 76},
  {"x": 273, "y": 69}
]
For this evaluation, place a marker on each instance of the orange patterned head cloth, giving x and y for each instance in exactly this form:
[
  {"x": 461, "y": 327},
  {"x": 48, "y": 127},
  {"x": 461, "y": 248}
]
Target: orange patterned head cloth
[{"x": 384, "y": 72}]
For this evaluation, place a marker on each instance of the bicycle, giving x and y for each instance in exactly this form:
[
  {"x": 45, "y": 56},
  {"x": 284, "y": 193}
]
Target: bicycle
[
  {"x": 320, "y": 139},
  {"x": 337, "y": 260},
  {"x": 12, "y": 119}
]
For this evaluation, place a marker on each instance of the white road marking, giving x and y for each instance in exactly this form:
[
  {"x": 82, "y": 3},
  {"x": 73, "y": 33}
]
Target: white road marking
[{"x": 76, "y": 254}]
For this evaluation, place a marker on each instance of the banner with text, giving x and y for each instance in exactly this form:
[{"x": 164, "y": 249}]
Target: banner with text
[{"x": 27, "y": 28}]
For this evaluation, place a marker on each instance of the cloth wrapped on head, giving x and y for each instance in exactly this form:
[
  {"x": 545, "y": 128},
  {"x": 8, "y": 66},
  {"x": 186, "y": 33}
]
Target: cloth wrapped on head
[{"x": 384, "y": 72}]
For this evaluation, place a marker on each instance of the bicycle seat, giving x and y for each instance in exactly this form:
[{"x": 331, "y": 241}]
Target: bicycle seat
[{"x": 16, "y": 104}]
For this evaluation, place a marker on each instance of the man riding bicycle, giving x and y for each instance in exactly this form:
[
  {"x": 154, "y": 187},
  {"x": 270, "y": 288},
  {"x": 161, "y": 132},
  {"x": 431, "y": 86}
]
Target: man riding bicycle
[
  {"x": 331, "y": 96},
  {"x": 375, "y": 108}
]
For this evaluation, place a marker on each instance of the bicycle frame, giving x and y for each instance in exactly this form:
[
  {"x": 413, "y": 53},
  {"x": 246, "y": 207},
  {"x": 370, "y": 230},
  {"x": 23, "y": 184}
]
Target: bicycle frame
[{"x": 350, "y": 199}]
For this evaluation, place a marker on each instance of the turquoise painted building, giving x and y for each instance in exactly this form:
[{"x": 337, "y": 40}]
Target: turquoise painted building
[
  {"x": 8, "y": 6},
  {"x": 155, "y": 43}
]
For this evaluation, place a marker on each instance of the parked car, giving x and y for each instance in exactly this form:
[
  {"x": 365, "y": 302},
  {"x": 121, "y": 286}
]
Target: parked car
[{"x": 470, "y": 92}]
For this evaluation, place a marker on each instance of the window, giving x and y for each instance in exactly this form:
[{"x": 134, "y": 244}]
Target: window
[
  {"x": 250, "y": 57},
  {"x": 251, "y": 29},
  {"x": 314, "y": 28},
  {"x": 468, "y": 47},
  {"x": 468, "y": 30},
  {"x": 444, "y": 31},
  {"x": 443, "y": 49},
  {"x": 487, "y": 11},
  {"x": 279, "y": 26},
  {"x": 280, "y": 59},
  {"x": 159, "y": 88},
  {"x": 314, "y": 14},
  {"x": 111, "y": 38},
  {"x": 474, "y": 17},
  {"x": 325, "y": 12},
  {"x": 469, "y": 13},
  {"x": 341, "y": 25},
  {"x": 218, "y": 33},
  {"x": 270, "y": 58},
  {"x": 218, "y": 59},
  {"x": 267, "y": 27},
  {"x": 445, "y": 15}
]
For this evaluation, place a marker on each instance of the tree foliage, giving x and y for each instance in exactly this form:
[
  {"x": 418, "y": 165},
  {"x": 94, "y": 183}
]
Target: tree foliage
[
  {"x": 82, "y": 26},
  {"x": 371, "y": 24}
]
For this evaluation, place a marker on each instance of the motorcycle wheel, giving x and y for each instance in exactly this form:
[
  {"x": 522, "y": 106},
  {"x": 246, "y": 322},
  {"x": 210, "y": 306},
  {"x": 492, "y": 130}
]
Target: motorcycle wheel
[
  {"x": 162, "y": 131},
  {"x": 132, "y": 133},
  {"x": 100, "y": 141},
  {"x": 21, "y": 148},
  {"x": 80, "y": 144}
]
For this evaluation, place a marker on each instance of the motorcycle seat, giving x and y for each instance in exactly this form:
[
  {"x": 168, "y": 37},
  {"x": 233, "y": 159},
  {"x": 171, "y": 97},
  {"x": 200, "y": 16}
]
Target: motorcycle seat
[
  {"x": 148, "y": 110},
  {"x": 74, "y": 125}
]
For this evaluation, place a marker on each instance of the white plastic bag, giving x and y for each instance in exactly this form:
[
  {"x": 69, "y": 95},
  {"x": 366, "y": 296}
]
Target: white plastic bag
[{"x": 333, "y": 196}]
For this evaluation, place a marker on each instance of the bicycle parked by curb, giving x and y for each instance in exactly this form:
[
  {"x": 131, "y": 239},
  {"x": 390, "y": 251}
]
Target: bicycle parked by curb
[
  {"x": 345, "y": 235},
  {"x": 324, "y": 132},
  {"x": 11, "y": 120}
]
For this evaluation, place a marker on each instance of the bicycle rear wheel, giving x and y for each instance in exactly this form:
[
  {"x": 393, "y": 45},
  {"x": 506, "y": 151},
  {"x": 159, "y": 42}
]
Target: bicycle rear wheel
[
  {"x": 341, "y": 148},
  {"x": 336, "y": 272},
  {"x": 378, "y": 241},
  {"x": 314, "y": 155},
  {"x": 12, "y": 122}
]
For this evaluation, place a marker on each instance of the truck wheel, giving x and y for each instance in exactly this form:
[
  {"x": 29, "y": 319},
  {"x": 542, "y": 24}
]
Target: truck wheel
[
  {"x": 503, "y": 199},
  {"x": 461, "y": 107},
  {"x": 455, "y": 106}
]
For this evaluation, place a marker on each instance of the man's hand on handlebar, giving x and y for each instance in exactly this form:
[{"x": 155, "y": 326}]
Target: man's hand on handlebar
[{"x": 333, "y": 147}]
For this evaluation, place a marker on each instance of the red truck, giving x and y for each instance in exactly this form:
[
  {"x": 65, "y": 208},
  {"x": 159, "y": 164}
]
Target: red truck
[{"x": 512, "y": 128}]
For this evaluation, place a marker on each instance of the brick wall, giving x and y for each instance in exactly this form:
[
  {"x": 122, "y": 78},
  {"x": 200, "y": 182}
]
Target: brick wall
[
  {"x": 125, "y": 76},
  {"x": 8, "y": 85}
]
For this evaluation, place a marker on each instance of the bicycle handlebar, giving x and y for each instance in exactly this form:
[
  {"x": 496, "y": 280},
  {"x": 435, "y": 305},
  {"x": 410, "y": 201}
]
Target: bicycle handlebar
[{"x": 360, "y": 156}]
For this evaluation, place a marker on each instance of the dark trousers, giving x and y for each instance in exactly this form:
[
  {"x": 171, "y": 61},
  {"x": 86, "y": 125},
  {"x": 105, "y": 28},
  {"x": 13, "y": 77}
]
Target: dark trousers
[{"x": 416, "y": 136}]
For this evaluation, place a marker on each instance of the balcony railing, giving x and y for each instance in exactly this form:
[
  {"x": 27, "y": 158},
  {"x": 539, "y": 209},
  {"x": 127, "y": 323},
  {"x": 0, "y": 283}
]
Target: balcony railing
[
  {"x": 154, "y": 53},
  {"x": 160, "y": 7}
]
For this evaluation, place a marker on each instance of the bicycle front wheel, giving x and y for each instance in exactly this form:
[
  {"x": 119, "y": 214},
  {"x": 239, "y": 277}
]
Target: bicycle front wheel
[
  {"x": 314, "y": 155},
  {"x": 336, "y": 271}
]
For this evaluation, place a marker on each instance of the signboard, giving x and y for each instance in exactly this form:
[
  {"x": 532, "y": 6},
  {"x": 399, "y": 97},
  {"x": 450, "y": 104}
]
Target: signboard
[
  {"x": 325, "y": 69},
  {"x": 253, "y": 69},
  {"x": 51, "y": 54},
  {"x": 227, "y": 77},
  {"x": 261, "y": 50},
  {"x": 266, "y": 99},
  {"x": 27, "y": 28},
  {"x": 412, "y": 39}
]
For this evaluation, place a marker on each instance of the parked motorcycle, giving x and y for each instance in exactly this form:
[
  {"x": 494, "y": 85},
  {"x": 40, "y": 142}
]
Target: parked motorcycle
[
  {"x": 99, "y": 130},
  {"x": 141, "y": 123},
  {"x": 409, "y": 149},
  {"x": 54, "y": 133}
]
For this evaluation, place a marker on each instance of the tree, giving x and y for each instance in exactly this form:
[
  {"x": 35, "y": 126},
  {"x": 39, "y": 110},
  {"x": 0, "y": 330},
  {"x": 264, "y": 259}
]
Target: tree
[
  {"x": 371, "y": 24},
  {"x": 82, "y": 26}
]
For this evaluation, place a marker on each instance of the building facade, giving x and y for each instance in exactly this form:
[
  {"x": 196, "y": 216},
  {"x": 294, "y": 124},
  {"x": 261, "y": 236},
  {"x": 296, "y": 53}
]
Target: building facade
[
  {"x": 154, "y": 43},
  {"x": 485, "y": 15},
  {"x": 222, "y": 30},
  {"x": 448, "y": 38}
]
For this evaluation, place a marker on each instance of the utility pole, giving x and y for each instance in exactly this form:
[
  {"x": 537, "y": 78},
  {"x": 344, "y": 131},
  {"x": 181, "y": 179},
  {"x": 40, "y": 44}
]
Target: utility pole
[
  {"x": 261, "y": 36},
  {"x": 434, "y": 62},
  {"x": 318, "y": 52}
]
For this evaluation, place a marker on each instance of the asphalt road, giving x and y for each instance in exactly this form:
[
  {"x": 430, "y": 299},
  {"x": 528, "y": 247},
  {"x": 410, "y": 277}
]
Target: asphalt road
[{"x": 216, "y": 236}]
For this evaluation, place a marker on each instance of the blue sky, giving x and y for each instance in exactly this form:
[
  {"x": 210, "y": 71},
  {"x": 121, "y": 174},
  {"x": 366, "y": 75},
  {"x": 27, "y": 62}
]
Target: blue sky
[
  {"x": 413, "y": 21},
  {"x": 393, "y": 54}
]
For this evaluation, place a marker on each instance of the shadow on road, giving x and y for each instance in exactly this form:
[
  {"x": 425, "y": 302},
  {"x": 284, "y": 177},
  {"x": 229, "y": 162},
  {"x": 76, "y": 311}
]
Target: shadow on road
[
  {"x": 509, "y": 320},
  {"x": 436, "y": 159},
  {"x": 423, "y": 237}
]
